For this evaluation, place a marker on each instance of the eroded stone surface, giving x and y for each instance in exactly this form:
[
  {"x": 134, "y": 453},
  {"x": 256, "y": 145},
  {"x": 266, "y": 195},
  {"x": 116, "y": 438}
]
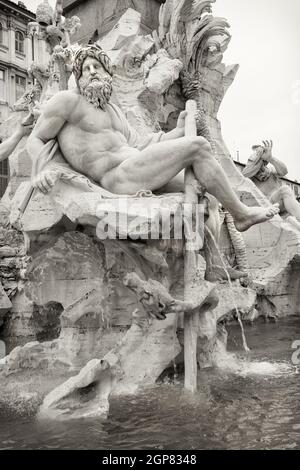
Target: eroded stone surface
[
  {"x": 136, "y": 361},
  {"x": 242, "y": 298},
  {"x": 83, "y": 396},
  {"x": 5, "y": 303}
]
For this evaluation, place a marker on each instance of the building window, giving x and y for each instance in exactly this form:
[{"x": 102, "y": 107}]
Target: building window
[
  {"x": 20, "y": 86},
  {"x": 1, "y": 33},
  {"x": 2, "y": 85},
  {"x": 4, "y": 176},
  {"x": 19, "y": 41}
]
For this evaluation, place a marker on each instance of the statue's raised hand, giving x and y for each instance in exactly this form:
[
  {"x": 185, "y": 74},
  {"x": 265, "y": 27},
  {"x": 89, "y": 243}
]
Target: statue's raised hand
[
  {"x": 267, "y": 147},
  {"x": 24, "y": 130},
  {"x": 181, "y": 122},
  {"x": 45, "y": 180},
  {"x": 181, "y": 119},
  {"x": 26, "y": 125}
]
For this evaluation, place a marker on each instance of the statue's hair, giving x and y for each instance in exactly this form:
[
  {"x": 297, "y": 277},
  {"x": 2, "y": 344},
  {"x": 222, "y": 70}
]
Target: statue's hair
[{"x": 95, "y": 52}]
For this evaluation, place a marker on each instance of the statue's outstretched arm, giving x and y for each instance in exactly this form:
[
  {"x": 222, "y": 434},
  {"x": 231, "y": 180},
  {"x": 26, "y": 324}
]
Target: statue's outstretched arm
[
  {"x": 47, "y": 127},
  {"x": 280, "y": 167},
  {"x": 9, "y": 145}
]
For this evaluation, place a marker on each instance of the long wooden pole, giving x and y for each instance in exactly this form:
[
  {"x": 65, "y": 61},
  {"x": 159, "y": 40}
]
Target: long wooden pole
[{"x": 190, "y": 260}]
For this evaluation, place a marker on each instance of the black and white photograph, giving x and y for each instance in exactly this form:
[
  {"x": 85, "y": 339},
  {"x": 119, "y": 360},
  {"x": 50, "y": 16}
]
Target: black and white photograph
[{"x": 149, "y": 229}]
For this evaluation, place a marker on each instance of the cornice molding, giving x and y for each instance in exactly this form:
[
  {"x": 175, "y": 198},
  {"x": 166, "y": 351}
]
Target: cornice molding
[
  {"x": 12, "y": 8},
  {"x": 10, "y": 65}
]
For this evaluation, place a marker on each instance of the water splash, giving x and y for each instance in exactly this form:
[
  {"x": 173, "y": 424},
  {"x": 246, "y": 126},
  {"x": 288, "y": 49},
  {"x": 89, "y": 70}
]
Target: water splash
[
  {"x": 245, "y": 345},
  {"x": 243, "y": 367}
]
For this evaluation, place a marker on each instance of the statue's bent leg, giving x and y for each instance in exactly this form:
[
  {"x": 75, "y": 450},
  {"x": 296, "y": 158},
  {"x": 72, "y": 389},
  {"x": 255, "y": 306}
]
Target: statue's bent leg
[
  {"x": 287, "y": 200},
  {"x": 212, "y": 176},
  {"x": 156, "y": 165},
  {"x": 151, "y": 169}
]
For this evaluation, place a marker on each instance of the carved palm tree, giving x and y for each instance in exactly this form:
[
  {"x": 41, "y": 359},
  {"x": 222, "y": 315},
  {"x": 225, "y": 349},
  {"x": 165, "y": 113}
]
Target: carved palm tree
[{"x": 190, "y": 33}]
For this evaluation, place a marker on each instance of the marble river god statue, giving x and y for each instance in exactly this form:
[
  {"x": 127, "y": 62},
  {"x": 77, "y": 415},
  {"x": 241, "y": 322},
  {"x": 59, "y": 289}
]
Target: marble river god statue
[
  {"x": 267, "y": 171},
  {"x": 96, "y": 140}
]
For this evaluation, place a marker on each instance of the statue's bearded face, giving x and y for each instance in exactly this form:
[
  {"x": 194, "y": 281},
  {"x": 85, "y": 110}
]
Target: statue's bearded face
[{"x": 95, "y": 84}]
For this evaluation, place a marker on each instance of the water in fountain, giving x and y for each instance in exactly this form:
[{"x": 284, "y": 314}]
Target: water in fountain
[
  {"x": 245, "y": 345},
  {"x": 247, "y": 406}
]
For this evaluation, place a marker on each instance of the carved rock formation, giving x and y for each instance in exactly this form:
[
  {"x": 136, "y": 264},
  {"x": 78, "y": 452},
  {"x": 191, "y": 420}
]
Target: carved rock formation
[
  {"x": 137, "y": 360},
  {"x": 103, "y": 328},
  {"x": 158, "y": 302},
  {"x": 271, "y": 248}
]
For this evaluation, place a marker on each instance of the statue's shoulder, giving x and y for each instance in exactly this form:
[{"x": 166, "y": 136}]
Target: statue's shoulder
[
  {"x": 68, "y": 96},
  {"x": 63, "y": 101}
]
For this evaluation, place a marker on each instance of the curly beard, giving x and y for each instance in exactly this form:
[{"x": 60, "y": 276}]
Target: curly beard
[{"x": 97, "y": 92}]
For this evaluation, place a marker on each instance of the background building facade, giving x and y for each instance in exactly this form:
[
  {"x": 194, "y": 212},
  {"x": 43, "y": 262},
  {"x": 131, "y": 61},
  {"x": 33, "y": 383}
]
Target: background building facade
[{"x": 17, "y": 50}]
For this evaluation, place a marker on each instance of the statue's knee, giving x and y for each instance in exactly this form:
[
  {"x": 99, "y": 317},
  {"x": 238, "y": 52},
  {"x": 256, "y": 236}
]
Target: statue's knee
[{"x": 200, "y": 145}]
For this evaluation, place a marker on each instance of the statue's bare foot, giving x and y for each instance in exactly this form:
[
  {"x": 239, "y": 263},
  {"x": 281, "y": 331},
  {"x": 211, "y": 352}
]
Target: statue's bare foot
[{"x": 256, "y": 215}]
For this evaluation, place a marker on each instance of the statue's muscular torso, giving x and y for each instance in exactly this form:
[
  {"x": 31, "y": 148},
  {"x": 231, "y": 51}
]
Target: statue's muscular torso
[{"x": 92, "y": 142}]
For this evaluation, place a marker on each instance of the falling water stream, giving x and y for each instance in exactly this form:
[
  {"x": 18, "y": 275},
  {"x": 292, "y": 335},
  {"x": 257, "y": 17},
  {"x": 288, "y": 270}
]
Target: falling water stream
[{"x": 245, "y": 345}]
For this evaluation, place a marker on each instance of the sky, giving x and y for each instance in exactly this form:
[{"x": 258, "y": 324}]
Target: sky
[{"x": 264, "y": 100}]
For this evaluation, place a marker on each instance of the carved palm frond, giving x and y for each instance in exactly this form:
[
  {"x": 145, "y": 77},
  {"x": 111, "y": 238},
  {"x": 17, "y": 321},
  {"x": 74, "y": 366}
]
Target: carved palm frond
[
  {"x": 185, "y": 27},
  {"x": 186, "y": 9},
  {"x": 199, "y": 8},
  {"x": 165, "y": 14},
  {"x": 195, "y": 30},
  {"x": 213, "y": 27},
  {"x": 177, "y": 25}
]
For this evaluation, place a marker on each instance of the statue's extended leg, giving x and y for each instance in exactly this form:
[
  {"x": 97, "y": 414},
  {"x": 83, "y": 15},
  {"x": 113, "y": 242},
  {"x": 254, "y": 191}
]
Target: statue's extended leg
[
  {"x": 156, "y": 165},
  {"x": 286, "y": 198}
]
